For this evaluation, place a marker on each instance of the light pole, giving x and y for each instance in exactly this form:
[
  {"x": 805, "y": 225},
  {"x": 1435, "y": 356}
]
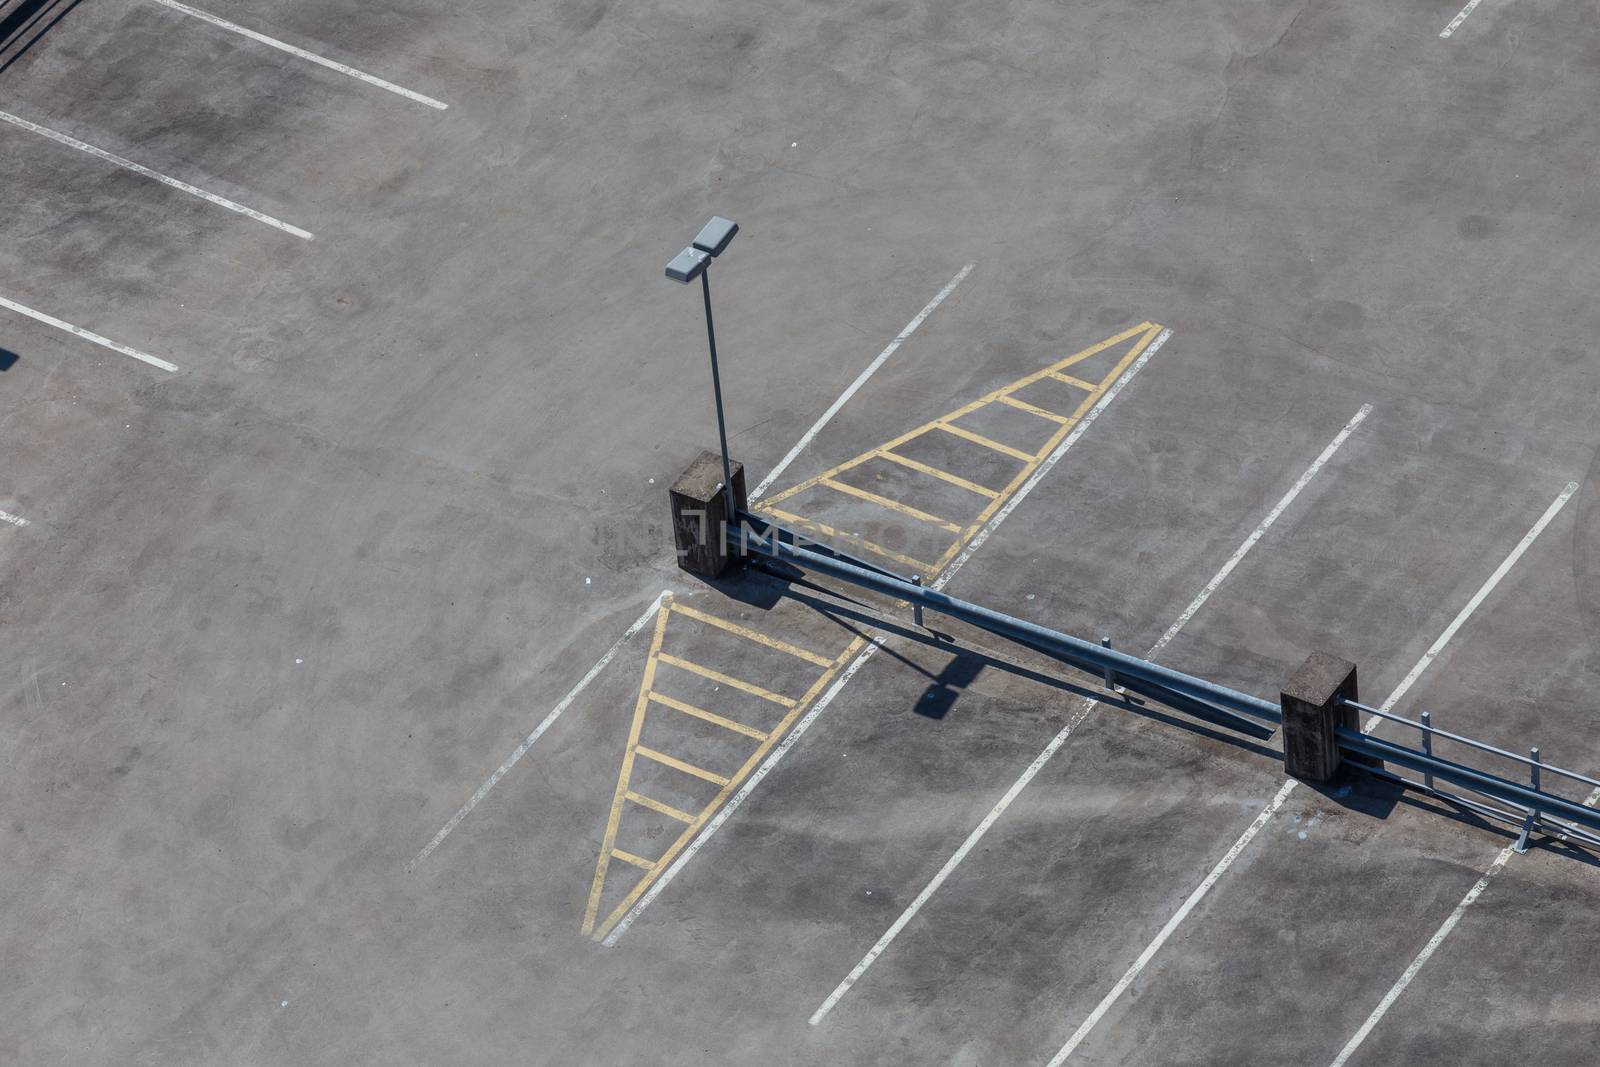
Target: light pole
[{"x": 692, "y": 262}]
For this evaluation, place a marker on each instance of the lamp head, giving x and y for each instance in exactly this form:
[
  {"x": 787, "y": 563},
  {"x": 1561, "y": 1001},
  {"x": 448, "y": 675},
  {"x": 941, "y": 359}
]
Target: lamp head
[
  {"x": 688, "y": 265},
  {"x": 714, "y": 236}
]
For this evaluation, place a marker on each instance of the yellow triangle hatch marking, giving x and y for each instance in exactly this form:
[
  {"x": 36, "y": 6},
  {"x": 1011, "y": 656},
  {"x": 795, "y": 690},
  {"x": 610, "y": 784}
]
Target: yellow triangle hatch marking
[{"x": 1141, "y": 335}]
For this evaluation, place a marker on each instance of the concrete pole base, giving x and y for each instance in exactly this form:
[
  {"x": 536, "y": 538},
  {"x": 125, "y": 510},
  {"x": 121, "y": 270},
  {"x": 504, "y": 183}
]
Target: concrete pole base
[
  {"x": 1313, "y": 708},
  {"x": 700, "y": 515}
]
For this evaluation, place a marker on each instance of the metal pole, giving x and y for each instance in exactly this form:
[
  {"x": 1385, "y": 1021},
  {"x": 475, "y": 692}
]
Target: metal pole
[
  {"x": 716, "y": 390},
  {"x": 1427, "y": 745},
  {"x": 1533, "y": 813}
]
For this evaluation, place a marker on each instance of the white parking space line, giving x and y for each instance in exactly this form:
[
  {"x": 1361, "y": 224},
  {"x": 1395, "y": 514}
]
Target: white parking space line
[
  {"x": 1060, "y": 738},
  {"x": 87, "y": 335},
  {"x": 1288, "y": 787},
  {"x": 128, "y": 164},
  {"x": 861, "y": 379},
  {"x": 312, "y": 57},
  {"x": 867, "y": 653},
  {"x": 1477, "y": 598},
  {"x": 14, "y": 520},
  {"x": 1422, "y": 957},
  {"x": 1051, "y": 460},
  {"x": 538, "y": 731},
  {"x": 1494, "y": 868},
  {"x": 1455, "y": 23},
  {"x": 1266, "y": 524}
]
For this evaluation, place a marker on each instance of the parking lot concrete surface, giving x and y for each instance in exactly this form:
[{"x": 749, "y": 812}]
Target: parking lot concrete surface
[{"x": 355, "y": 709}]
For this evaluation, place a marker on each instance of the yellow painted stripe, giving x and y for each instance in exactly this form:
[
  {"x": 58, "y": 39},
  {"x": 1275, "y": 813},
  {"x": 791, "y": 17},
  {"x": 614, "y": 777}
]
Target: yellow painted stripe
[
  {"x": 1070, "y": 380},
  {"x": 1079, "y": 357},
  {"x": 591, "y": 909},
  {"x": 637, "y": 861},
  {"x": 917, "y": 565},
  {"x": 1049, "y": 446},
  {"x": 658, "y": 805},
  {"x": 953, "y": 479},
  {"x": 759, "y": 638},
  {"x": 709, "y": 716},
  {"x": 678, "y": 765},
  {"x": 986, "y": 442},
  {"x": 893, "y": 505},
  {"x": 1150, "y": 330},
  {"x": 726, "y": 679},
  {"x": 1033, "y": 409},
  {"x": 740, "y": 775},
  {"x": 1027, "y": 380}
]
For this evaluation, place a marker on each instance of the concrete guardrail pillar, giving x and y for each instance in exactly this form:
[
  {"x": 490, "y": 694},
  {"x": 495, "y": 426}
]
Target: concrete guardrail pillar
[
  {"x": 1312, "y": 709},
  {"x": 700, "y": 515}
]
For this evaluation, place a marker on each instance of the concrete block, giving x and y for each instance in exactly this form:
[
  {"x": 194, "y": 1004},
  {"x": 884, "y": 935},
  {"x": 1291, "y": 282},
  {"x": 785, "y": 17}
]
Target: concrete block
[
  {"x": 1313, "y": 708},
  {"x": 700, "y": 515}
]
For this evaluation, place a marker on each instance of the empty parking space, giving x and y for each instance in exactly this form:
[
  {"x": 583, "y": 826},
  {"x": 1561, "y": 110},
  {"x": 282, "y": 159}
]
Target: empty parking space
[
  {"x": 1311, "y": 911},
  {"x": 1507, "y": 981}
]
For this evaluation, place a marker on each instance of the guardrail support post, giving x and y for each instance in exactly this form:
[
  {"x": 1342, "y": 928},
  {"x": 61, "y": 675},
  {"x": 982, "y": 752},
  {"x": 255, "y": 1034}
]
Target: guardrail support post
[
  {"x": 700, "y": 515},
  {"x": 1314, "y": 706},
  {"x": 1427, "y": 746},
  {"x": 1533, "y": 813}
]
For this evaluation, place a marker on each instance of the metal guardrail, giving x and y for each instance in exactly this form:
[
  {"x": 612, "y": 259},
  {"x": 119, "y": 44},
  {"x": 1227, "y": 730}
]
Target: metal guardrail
[
  {"x": 1533, "y": 807},
  {"x": 1530, "y": 806},
  {"x": 1195, "y": 696}
]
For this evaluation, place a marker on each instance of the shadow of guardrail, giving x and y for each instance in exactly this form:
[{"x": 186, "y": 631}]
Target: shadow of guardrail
[{"x": 24, "y": 22}]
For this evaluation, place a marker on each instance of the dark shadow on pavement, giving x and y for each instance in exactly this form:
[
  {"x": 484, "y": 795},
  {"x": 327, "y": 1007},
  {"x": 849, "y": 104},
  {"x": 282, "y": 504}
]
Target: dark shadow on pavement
[
  {"x": 1379, "y": 796},
  {"x": 1577, "y": 851},
  {"x": 969, "y": 661},
  {"x": 946, "y": 687},
  {"x": 23, "y": 22},
  {"x": 1361, "y": 793},
  {"x": 735, "y": 584},
  {"x": 8, "y": 359},
  {"x": 767, "y": 582}
]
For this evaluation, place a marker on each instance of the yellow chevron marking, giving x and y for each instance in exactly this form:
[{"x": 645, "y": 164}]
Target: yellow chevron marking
[
  {"x": 1070, "y": 380},
  {"x": 725, "y": 679},
  {"x": 679, "y": 765},
  {"x": 752, "y": 635},
  {"x": 660, "y": 806},
  {"x": 639, "y": 707},
  {"x": 1034, "y": 409},
  {"x": 709, "y": 716},
  {"x": 637, "y": 861},
  {"x": 986, "y": 442},
  {"x": 893, "y": 505},
  {"x": 953, "y": 479},
  {"x": 1142, "y": 335},
  {"x": 730, "y": 784},
  {"x": 1149, "y": 329}
]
